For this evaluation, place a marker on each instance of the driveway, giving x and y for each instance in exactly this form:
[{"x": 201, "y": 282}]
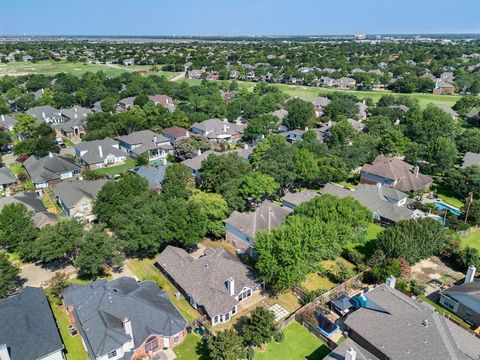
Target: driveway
[{"x": 36, "y": 275}]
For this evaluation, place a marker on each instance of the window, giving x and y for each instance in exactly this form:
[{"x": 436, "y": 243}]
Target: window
[
  {"x": 227, "y": 317},
  {"x": 112, "y": 354},
  {"x": 176, "y": 339},
  {"x": 234, "y": 310},
  {"x": 215, "y": 320},
  {"x": 151, "y": 345}
]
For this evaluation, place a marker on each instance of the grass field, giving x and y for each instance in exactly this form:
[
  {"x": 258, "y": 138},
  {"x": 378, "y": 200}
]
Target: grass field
[
  {"x": 73, "y": 344},
  {"x": 316, "y": 281},
  {"x": 146, "y": 270},
  {"x": 113, "y": 170},
  {"x": 472, "y": 240},
  {"x": 75, "y": 68},
  {"x": 309, "y": 92},
  {"x": 298, "y": 344},
  {"x": 192, "y": 348},
  {"x": 447, "y": 196}
]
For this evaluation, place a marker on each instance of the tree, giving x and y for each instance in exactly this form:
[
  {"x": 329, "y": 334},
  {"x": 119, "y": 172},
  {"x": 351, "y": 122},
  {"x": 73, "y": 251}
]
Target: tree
[
  {"x": 414, "y": 240},
  {"x": 278, "y": 162},
  {"x": 463, "y": 181},
  {"x": 55, "y": 242},
  {"x": 306, "y": 166},
  {"x": 257, "y": 186},
  {"x": 178, "y": 182},
  {"x": 474, "y": 212},
  {"x": 226, "y": 345},
  {"x": 343, "y": 106},
  {"x": 440, "y": 154},
  {"x": 259, "y": 328},
  {"x": 341, "y": 134},
  {"x": 215, "y": 208},
  {"x": 25, "y": 124},
  {"x": 261, "y": 125},
  {"x": 97, "y": 250},
  {"x": 16, "y": 226},
  {"x": 57, "y": 284},
  {"x": 8, "y": 275},
  {"x": 301, "y": 114},
  {"x": 332, "y": 168},
  {"x": 141, "y": 100},
  {"x": 219, "y": 169},
  {"x": 188, "y": 148},
  {"x": 393, "y": 142},
  {"x": 469, "y": 140}
]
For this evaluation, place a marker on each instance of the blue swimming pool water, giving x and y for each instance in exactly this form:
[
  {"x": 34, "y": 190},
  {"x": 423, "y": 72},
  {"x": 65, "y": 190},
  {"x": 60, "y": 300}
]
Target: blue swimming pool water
[{"x": 441, "y": 206}]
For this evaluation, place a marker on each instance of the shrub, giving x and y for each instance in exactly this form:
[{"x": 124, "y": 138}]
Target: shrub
[
  {"x": 417, "y": 288},
  {"x": 278, "y": 336},
  {"x": 353, "y": 256}
]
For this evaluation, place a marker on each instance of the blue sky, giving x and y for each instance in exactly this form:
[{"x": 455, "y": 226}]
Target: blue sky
[{"x": 241, "y": 17}]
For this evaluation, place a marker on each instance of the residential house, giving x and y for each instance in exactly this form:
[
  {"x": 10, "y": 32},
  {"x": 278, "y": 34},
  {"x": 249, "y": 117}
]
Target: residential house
[
  {"x": 362, "y": 110},
  {"x": 28, "y": 330},
  {"x": 350, "y": 350},
  {"x": 74, "y": 123},
  {"x": 392, "y": 325},
  {"x": 47, "y": 114},
  {"x": 464, "y": 299},
  {"x": 215, "y": 283},
  {"x": 357, "y": 125},
  {"x": 163, "y": 100},
  {"x": 219, "y": 130},
  {"x": 50, "y": 169},
  {"x": 280, "y": 114},
  {"x": 7, "y": 122},
  {"x": 154, "y": 175},
  {"x": 146, "y": 142},
  {"x": 471, "y": 159},
  {"x": 443, "y": 87},
  {"x": 394, "y": 173},
  {"x": 7, "y": 178},
  {"x": 388, "y": 205},
  {"x": 320, "y": 102},
  {"x": 195, "y": 73},
  {"x": 100, "y": 153},
  {"x": 175, "y": 133},
  {"x": 37, "y": 95},
  {"x": 124, "y": 319},
  {"x": 293, "y": 135},
  {"x": 125, "y": 104},
  {"x": 294, "y": 199},
  {"x": 449, "y": 111},
  {"x": 75, "y": 197},
  {"x": 195, "y": 164},
  {"x": 344, "y": 83},
  {"x": 30, "y": 199},
  {"x": 243, "y": 227}
]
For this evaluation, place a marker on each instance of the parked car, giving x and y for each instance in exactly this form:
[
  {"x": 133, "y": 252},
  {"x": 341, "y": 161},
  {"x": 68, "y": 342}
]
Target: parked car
[{"x": 22, "y": 158}]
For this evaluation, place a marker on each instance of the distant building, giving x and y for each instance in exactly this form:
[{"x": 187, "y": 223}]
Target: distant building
[
  {"x": 163, "y": 100},
  {"x": 219, "y": 130}
]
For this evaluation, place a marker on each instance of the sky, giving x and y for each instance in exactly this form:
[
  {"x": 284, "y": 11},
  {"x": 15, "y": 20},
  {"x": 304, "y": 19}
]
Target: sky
[{"x": 239, "y": 17}]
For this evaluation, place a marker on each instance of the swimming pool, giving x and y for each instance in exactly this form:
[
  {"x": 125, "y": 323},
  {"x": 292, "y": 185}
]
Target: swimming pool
[{"x": 442, "y": 206}]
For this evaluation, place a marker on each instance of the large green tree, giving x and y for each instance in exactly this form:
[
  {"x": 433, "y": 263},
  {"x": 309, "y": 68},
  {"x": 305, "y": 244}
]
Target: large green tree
[
  {"x": 226, "y": 345},
  {"x": 16, "y": 226},
  {"x": 8, "y": 275},
  {"x": 259, "y": 327}
]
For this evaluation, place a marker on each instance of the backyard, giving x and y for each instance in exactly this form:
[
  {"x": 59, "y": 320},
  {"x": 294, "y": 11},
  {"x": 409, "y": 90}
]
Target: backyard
[
  {"x": 320, "y": 280},
  {"x": 298, "y": 344},
  {"x": 74, "y": 68},
  {"x": 472, "y": 240},
  {"x": 447, "y": 196},
  {"x": 114, "y": 170},
  {"x": 144, "y": 269},
  {"x": 192, "y": 348}
]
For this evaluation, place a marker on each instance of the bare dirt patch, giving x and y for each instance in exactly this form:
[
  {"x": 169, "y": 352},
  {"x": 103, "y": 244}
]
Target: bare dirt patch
[{"x": 433, "y": 269}]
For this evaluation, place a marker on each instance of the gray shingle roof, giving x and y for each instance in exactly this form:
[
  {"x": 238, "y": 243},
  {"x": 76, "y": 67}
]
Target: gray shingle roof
[
  {"x": 27, "y": 325},
  {"x": 154, "y": 175},
  {"x": 148, "y": 139},
  {"x": 72, "y": 191},
  {"x": 90, "y": 150},
  {"x": 214, "y": 128},
  {"x": 251, "y": 223},
  {"x": 205, "y": 278},
  {"x": 297, "y": 198},
  {"x": 33, "y": 203},
  {"x": 374, "y": 198},
  {"x": 321, "y": 101},
  {"x": 42, "y": 113},
  {"x": 468, "y": 294},
  {"x": 7, "y": 121},
  {"x": 470, "y": 159},
  {"x": 410, "y": 329},
  {"x": 196, "y": 162},
  {"x": 6, "y": 176},
  {"x": 101, "y": 306},
  {"x": 340, "y": 352},
  {"x": 76, "y": 112},
  {"x": 49, "y": 167}
]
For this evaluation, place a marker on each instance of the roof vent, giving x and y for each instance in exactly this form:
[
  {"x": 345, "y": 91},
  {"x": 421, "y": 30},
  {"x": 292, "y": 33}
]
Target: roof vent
[{"x": 425, "y": 323}]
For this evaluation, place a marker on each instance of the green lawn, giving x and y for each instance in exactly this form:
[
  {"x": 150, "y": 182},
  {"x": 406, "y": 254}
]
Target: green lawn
[
  {"x": 16, "y": 168},
  {"x": 316, "y": 281},
  {"x": 310, "y": 92},
  {"x": 73, "y": 344},
  {"x": 369, "y": 246},
  {"x": 298, "y": 344},
  {"x": 146, "y": 270},
  {"x": 113, "y": 170},
  {"x": 192, "y": 348},
  {"x": 447, "y": 196},
  {"x": 441, "y": 310},
  {"x": 472, "y": 240}
]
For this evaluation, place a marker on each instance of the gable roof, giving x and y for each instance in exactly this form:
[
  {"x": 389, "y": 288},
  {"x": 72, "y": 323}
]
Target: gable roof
[
  {"x": 214, "y": 128},
  {"x": 196, "y": 163},
  {"x": 410, "y": 329},
  {"x": 92, "y": 150},
  {"x": 468, "y": 294},
  {"x": 27, "y": 326},
  {"x": 205, "y": 278},
  {"x": 267, "y": 215},
  {"x": 147, "y": 139},
  {"x": 42, "y": 113},
  {"x": 340, "y": 352},
  {"x": 398, "y": 170},
  {"x": 33, "y": 203},
  {"x": 175, "y": 131},
  {"x": 6, "y": 176},
  {"x": 163, "y": 100},
  {"x": 321, "y": 101},
  {"x": 7, "y": 121},
  {"x": 72, "y": 191},
  {"x": 48, "y": 167},
  {"x": 76, "y": 112},
  {"x": 470, "y": 159},
  {"x": 100, "y": 307},
  {"x": 154, "y": 175},
  {"x": 297, "y": 198},
  {"x": 374, "y": 198}
]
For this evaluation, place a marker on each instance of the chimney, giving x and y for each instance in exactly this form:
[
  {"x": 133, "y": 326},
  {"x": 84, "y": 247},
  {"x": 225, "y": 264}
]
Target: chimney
[
  {"x": 155, "y": 139},
  {"x": 231, "y": 286},
  {"x": 4, "y": 355},
  {"x": 306, "y": 128},
  {"x": 391, "y": 280},
  {"x": 127, "y": 326},
  {"x": 269, "y": 218},
  {"x": 76, "y": 115},
  {"x": 199, "y": 152},
  {"x": 329, "y": 123},
  {"x": 245, "y": 146},
  {"x": 50, "y": 155},
  {"x": 43, "y": 114},
  {"x": 416, "y": 171},
  {"x": 164, "y": 161},
  {"x": 351, "y": 354},
  {"x": 224, "y": 128},
  {"x": 100, "y": 151},
  {"x": 379, "y": 185},
  {"x": 187, "y": 134},
  {"x": 3, "y": 117},
  {"x": 470, "y": 274}
]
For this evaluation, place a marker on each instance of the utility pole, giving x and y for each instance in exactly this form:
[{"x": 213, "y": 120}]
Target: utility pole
[{"x": 469, "y": 200}]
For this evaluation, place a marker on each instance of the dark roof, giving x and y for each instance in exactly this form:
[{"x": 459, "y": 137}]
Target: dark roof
[
  {"x": 49, "y": 167},
  {"x": 154, "y": 175},
  {"x": 7, "y": 121},
  {"x": 410, "y": 329},
  {"x": 72, "y": 191},
  {"x": 76, "y": 112},
  {"x": 205, "y": 278},
  {"x": 268, "y": 214},
  {"x": 196, "y": 162},
  {"x": 340, "y": 352},
  {"x": 6, "y": 176},
  {"x": 398, "y": 170},
  {"x": 147, "y": 139},
  {"x": 27, "y": 325},
  {"x": 342, "y": 302},
  {"x": 101, "y": 306}
]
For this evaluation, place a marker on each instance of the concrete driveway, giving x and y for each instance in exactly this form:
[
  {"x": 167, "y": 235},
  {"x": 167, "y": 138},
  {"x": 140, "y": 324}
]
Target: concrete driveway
[{"x": 36, "y": 275}]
